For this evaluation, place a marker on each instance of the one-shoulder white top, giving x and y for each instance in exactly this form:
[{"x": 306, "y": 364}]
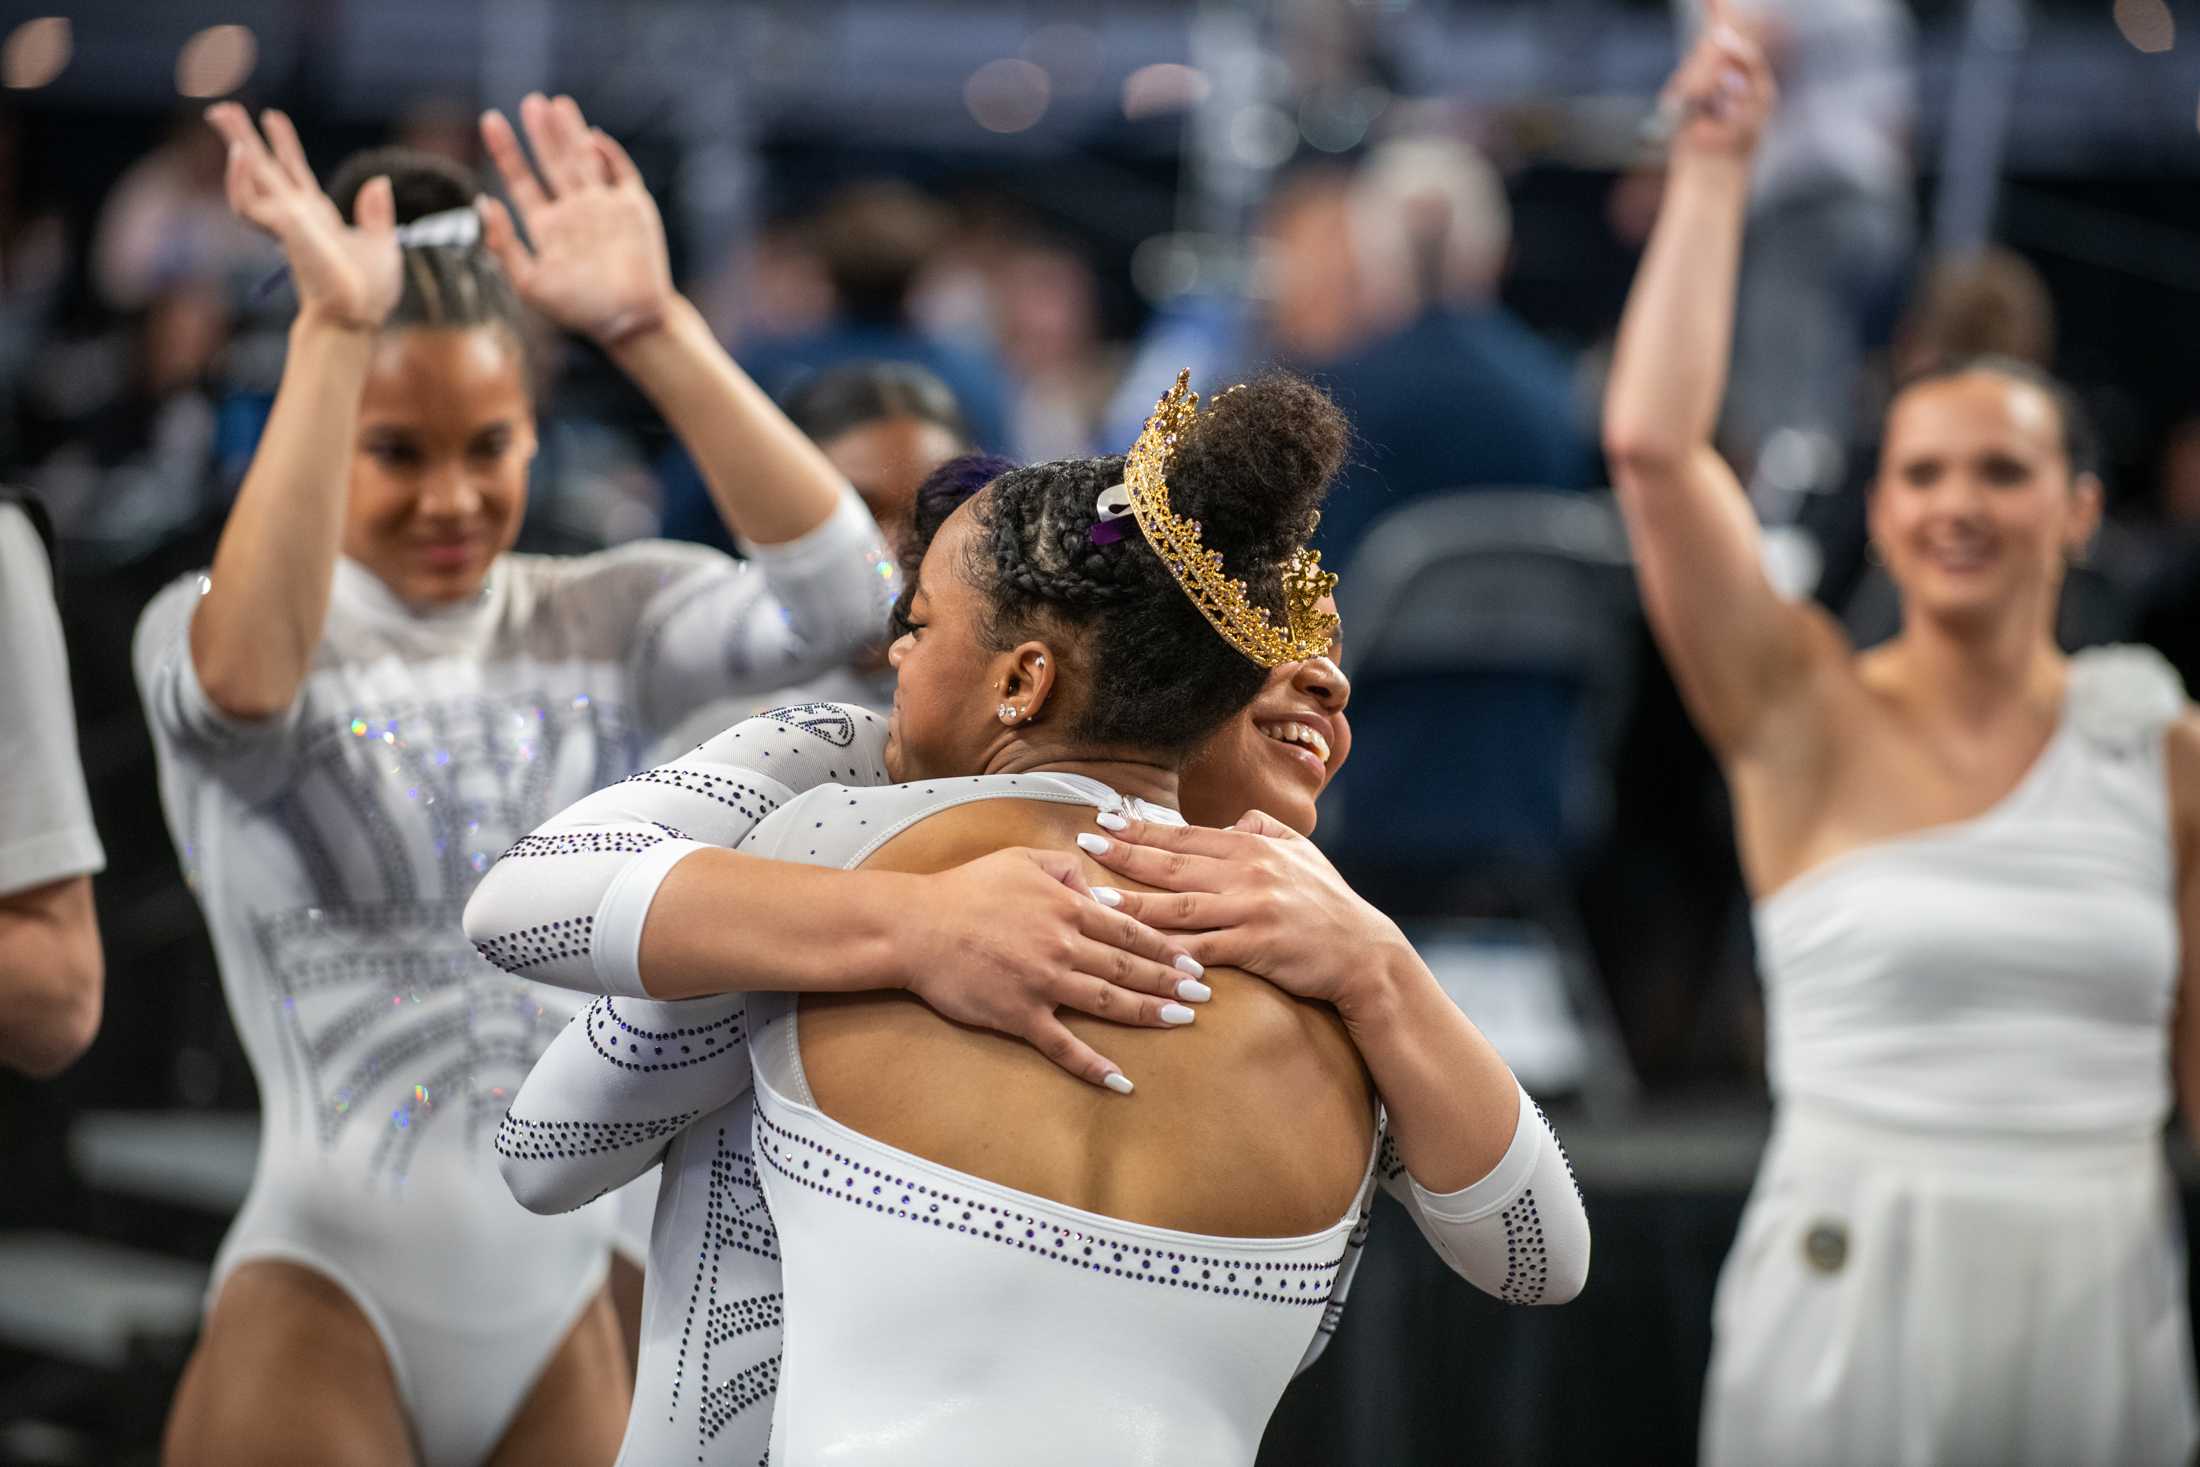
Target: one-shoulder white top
[{"x": 2009, "y": 973}]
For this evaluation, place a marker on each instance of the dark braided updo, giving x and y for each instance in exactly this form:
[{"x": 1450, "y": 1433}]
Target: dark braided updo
[
  {"x": 445, "y": 285},
  {"x": 1252, "y": 471}
]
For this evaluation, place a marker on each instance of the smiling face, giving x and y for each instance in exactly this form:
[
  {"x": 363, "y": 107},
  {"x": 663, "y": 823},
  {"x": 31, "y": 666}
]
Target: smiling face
[
  {"x": 1976, "y": 508},
  {"x": 1281, "y": 752},
  {"x": 439, "y": 476}
]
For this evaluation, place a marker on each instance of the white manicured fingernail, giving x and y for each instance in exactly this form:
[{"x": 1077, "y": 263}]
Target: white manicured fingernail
[
  {"x": 1107, "y": 896},
  {"x": 1109, "y": 820},
  {"x": 1176, "y": 1013},
  {"x": 1119, "y": 1082},
  {"x": 1186, "y": 963},
  {"x": 1092, "y": 844},
  {"x": 1191, "y": 990}
]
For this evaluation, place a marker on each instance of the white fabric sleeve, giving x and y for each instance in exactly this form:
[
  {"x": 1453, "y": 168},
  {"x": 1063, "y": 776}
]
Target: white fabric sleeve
[
  {"x": 176, "y": 705},
  {"x": 721, "y": 628},
  {"x": 46, "y": 832},
  {"x": 566, "y": 904},
  {"x": 611, "y": 1092},
  {"x": 1519, "y": 1233}
]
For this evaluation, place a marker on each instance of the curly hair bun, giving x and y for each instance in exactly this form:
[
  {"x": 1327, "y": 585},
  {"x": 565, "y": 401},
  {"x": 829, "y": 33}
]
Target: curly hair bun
[
  {"x": 1256, "y": 467},
  {"x": 421, "y": 183}
]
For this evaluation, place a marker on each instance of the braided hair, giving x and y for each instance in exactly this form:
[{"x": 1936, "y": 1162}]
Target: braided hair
[
  {"x": 1252, "y": 470},
  {"x": 454, "y": 285}
]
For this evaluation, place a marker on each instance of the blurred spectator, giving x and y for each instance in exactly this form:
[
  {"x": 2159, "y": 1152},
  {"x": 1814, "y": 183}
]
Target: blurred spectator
[
  {"x": 50, "y": 965},
  {"x": 141, "y": 470},
  {"x": 874, "y": 240},
  {"x": 1046, "y": 308},
  {"x": 166, "y": 222},
  {"x": 1832, "y": 221},
  {"x": 1317, "y": 307},
  {"x": 444, "y": 127},
  {"x": 1461, "y": 393},
  {"x": 886, "y": 426}
]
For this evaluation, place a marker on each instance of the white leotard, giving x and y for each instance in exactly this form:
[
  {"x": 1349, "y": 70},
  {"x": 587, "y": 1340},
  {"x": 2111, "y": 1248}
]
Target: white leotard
[
  {"x": 333, "y": 848},
  {"x": 635, "y": 1080},
  {"x": 1962, "y": 1246}
]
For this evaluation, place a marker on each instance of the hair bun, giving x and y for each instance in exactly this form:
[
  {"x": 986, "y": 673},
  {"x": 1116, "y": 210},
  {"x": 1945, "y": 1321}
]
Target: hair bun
[
  {"x": 1256, "y": 466},
  {"x": 420, "y": 183}
]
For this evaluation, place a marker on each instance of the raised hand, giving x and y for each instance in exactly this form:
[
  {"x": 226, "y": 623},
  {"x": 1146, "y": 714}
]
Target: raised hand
[
  {"x": 1723, "y": 91},
  {"x": 350, "y": 274},
  {"x": 598, "y": 264},
  {"x": 1259, "y": 897},
  {"x": 1005, "y": 941}
]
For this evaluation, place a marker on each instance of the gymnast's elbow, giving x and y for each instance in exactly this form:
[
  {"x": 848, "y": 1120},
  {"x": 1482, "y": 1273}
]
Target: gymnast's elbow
[{"x": 527, "y": 1161}]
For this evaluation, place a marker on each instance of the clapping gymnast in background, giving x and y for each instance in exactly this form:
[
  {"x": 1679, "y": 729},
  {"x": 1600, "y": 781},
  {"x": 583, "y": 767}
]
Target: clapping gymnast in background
[{"x": 364, "y": 701}]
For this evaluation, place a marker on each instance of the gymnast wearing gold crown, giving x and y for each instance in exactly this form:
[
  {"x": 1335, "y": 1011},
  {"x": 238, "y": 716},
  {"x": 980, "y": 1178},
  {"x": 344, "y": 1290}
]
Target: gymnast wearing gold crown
[{"x": 973, "y": 1258}]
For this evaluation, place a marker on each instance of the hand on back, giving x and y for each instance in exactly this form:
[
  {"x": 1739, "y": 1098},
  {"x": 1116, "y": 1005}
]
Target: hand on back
[
  {"x": 349, "y": 274},
  {"x": 596, "y": 261},
  {"x": 1007, "y": 940},
  {"x": 1258, "y": 897}
]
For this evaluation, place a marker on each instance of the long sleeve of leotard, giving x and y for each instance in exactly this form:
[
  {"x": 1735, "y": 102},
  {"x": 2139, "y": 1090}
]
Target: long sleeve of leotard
[
  {"x": 711, "y": 627},
  {"x": 1520, "y": 1232},
  {"x": 620, "y": 1081},
  {"x": 565, "y": 905}
]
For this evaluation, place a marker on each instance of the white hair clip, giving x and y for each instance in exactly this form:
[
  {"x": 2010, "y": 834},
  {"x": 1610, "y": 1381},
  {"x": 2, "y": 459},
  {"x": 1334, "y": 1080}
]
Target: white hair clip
[
  {"x": 449, "y": 228},
  {"x": 1114, "y": 503}
]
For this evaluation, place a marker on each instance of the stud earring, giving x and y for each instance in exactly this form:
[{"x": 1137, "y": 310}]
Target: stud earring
[{"x": 1008, "y": 712}]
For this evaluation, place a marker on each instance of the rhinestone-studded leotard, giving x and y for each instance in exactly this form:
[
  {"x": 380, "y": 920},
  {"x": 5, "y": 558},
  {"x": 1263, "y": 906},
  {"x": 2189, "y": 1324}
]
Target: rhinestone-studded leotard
[{"x": 333, "y": 849}]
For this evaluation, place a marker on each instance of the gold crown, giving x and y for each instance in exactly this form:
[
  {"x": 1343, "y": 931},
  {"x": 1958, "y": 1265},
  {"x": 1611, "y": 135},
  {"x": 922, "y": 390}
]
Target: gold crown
[{"x": 1306, "y": 632}]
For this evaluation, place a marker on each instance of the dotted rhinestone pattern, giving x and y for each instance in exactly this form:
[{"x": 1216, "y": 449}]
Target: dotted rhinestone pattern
[
  {"x": 1389, "y": 1165},
  {"x": 1527, "y": 1267},
  {"x": 531, "y": 947},
  {"x": 526, "y": 1140},
  {"x": 1562, "y": 1156},
  {"x": 742, "y": 798},
  {"x": 736, "y": 1218},
  {"x": 811, "y": 1164},
  {"x": 651, "y": 1051},
  {"x": 828, "y": 721},
  {"x": 584, "y": 843}
]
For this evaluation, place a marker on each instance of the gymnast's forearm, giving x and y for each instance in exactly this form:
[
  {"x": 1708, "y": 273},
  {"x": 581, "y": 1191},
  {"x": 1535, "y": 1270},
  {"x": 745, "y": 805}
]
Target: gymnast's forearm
[
  {"x": 726, "y": 922},
  {"x": 770, "y": 483},
  {"x": 254, "y": 631},
  {"x": 1452, "y": 1100}
]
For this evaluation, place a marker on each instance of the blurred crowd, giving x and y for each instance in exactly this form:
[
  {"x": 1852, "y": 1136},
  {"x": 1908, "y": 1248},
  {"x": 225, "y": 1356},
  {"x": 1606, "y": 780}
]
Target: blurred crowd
[{"x": 141, "y": 340}]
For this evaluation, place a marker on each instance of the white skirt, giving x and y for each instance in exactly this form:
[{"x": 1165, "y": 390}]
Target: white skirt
[{"x": 1897, "y": 1299}]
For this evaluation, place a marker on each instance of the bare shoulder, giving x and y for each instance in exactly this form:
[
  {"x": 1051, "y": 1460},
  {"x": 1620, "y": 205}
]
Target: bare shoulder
[{"x": 963, "y": 833}]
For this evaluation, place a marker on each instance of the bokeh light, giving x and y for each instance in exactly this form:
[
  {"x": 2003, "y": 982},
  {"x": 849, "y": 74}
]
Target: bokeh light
[
  {"x": 36, "y": 52},
  {"x": 1162, "y": 88},
  {"x": 216, "y": 61},
  {"x": 1008, "y": 95},
  {"x": 2147, "y": 24}
]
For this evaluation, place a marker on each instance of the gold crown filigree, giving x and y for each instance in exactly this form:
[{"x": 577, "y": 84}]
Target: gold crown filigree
[{"x": 1221, "y": 598}]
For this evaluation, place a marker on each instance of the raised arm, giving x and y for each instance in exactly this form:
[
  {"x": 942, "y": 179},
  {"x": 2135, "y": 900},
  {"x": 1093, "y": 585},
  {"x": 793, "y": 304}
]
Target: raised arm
[
  {"x": 1735, "y": 646},
  {"x": 253, "y": 633},
  {"x": 598, "y": 265},
  {"x": 1468, "y": 1153}
]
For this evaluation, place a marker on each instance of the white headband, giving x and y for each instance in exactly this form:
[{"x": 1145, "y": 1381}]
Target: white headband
[{"x": 453, "y": 228}]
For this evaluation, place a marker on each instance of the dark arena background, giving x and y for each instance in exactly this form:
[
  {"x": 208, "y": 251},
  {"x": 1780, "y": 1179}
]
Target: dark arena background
[{"x": 1080, "y": 199}]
